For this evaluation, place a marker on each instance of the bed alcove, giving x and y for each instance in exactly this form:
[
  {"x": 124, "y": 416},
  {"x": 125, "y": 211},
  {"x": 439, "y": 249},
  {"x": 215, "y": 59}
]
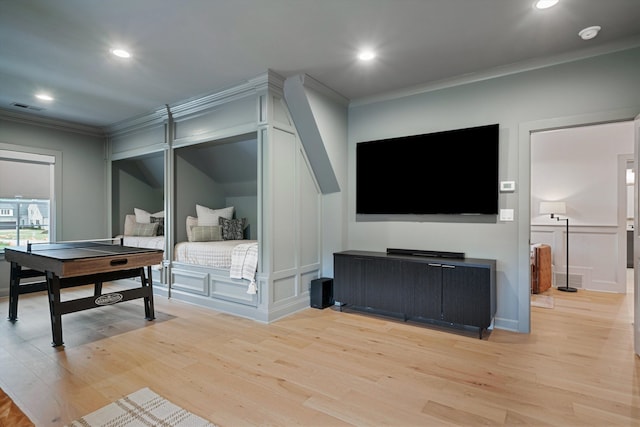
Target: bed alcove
[
  {"x": 217, "y": 174},
  {"x": 239, "y": 148},
  {"x": 137, "y": 182}
]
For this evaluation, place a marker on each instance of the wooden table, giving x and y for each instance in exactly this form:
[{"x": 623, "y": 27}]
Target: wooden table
[{"x": 69, "y": 264}]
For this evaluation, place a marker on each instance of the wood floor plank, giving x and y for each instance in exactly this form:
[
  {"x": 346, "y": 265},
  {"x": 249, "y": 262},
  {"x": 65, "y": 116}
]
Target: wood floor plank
[{"x": 328, "y": 368}]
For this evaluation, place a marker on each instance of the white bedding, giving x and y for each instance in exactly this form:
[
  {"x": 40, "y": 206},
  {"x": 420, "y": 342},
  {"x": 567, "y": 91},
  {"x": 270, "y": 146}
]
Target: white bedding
[
  {"x": 153, "y": 242},
  {"x": 209, "y": 254},
  {"x": 244, "y": 263}
]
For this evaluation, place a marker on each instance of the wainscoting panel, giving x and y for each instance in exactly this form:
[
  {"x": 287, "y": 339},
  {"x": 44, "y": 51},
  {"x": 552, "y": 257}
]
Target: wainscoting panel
[{"x": 595, "y": 260}]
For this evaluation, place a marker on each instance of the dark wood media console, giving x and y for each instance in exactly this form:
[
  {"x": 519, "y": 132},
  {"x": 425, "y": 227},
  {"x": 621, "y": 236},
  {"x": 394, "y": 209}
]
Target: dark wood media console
[{"x": 443, "y": 291}]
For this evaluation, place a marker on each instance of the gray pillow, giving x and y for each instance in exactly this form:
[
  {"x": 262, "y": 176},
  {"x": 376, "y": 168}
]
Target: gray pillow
[
  {"x": 205, "y": 233},
  {"x": 145, "y": 230},
  {"x": 160, "y": 221},
  {"x": 232, "y": 229}
]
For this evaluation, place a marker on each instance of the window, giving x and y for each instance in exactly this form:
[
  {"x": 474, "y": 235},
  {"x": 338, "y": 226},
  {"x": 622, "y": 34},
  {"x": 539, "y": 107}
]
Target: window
[{"x": 27, "y": 178}]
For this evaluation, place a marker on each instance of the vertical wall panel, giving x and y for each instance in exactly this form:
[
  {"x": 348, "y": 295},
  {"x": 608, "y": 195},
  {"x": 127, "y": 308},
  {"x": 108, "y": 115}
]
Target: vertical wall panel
[
  {"x": 280, "y": 112},
  {"x": 284, "y": 206},
  {"x": 309, "y": 214},
  {"x": 284, "y": 289}
]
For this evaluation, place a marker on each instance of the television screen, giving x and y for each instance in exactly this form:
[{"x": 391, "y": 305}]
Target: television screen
[{"x": 450, "y": 172}]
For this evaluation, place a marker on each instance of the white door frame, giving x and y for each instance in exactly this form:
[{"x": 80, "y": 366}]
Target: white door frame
[
  {"x": 524, "y": 203},
  {"x": 636, "y": 240}
]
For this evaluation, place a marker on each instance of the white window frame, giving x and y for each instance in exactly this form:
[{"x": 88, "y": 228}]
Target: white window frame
[{"x": 41, "y": 155}]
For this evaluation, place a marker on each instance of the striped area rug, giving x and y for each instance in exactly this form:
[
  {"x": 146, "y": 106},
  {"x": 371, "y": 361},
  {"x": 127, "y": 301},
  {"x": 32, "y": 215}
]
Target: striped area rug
[{"x": 142, "y": 408}]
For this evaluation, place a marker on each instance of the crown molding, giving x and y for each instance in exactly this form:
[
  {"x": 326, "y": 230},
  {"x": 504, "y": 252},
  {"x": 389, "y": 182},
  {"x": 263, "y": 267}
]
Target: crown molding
[
  {"x": 60, "y": 125},
  {"x": 201, "y": 103},
  {"x": 497, "y": 72},
  {"x": 317, "y": 86},
  {"x": 143, "y": 121}
]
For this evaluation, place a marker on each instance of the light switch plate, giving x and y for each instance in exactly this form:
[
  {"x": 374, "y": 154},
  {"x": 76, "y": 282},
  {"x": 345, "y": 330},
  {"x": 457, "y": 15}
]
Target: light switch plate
[
  {"x": 506, "y": 214},
  {"x": 507, "y": 186}
]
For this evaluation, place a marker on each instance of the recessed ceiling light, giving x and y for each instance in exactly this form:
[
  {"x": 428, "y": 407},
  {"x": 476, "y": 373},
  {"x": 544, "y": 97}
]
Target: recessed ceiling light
[
  {"x": 121, "y": 53},
  {"x": 589, "y": 32},
  {"x": 44, "y": 96},
  {"x": 366, "y": 55},
  {"x": 545, "y": 4}
]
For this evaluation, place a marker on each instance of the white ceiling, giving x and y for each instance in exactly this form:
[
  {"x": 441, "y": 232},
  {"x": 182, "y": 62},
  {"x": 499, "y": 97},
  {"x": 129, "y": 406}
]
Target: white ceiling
[{"x": 183, "y": 49}]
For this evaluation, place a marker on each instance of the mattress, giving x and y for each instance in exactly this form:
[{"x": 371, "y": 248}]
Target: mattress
[
  {"x": 209, "y": 254},
  {"x": 153, "y": 242}
]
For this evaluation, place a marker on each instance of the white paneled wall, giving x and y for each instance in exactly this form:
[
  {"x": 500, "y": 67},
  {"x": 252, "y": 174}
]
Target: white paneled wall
[{"x": 593, "y": 256}]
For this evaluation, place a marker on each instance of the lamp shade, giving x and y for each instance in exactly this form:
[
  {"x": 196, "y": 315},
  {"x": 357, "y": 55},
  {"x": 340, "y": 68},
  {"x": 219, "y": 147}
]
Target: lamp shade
[{"x": 553, "y": 208}]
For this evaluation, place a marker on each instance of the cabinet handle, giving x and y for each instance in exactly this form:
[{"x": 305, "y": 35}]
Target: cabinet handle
[
  {"x": 448, "y": 266},
  {"x": 434, "y": 265}
]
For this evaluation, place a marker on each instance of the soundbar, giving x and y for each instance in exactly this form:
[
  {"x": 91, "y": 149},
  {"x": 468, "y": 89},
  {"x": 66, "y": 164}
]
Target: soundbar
[{"x": 425, "y": 253}]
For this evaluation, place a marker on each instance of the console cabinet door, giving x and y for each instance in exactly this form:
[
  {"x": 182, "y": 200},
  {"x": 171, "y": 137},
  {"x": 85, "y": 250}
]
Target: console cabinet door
[
  {"x": 348, "y": 284},
  {"x": 424, "y": 282},
  {"x": 383, "y": 289},
  {"x": 369, "y": 283},
  {"x": 466, "y": 295}
]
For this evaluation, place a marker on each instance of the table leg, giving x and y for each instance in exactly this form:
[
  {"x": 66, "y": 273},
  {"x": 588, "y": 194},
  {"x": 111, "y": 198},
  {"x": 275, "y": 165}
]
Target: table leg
[
  {"x": 149, "y": 312},
  {"x": 97, "y": 290},
  {"x": 53, "y": 288},
  {"x": 14, "y": 291}
]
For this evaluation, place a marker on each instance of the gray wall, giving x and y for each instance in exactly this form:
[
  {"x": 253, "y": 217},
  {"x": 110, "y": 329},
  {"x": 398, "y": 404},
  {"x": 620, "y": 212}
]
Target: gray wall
[
  {"x": 330, "y": 115},
  {"x": 599, "y": 88},
  {"x": 83, "y": 210},
  {"x": 132, "y": 193}
]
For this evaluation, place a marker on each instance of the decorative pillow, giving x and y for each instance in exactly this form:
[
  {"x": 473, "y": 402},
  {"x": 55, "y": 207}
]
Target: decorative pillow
[
  {"x": 145, "y": 230},
  {"x": 208, "y": 216},
  {"x": 160, "y": 221},
  {"x": 192, "y": 221},
  {"x": 129, "y": 224},
  {"x": 206, "y": 233},
  {"x": 144, "y": 217},
  {"x": 232, "y": 229}
]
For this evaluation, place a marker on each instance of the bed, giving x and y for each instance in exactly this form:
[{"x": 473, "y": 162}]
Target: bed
[
  {"x": 215, "y": 243},
  {"x": 216, "y": 240},
  {"x": 141, "y": 234},
  {"x": 236, "y": 259},
  {"x": 144, "y": 230}
]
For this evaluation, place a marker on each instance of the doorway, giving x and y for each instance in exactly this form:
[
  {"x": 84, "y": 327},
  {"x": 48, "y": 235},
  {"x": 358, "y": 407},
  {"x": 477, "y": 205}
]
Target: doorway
[{"x": 585, "y": 168}]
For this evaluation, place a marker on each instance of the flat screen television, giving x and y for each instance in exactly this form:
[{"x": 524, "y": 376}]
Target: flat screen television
[{"x": 450, "y": 172}]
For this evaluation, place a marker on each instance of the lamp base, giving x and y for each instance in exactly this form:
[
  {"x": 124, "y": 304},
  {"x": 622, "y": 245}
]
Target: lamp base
[{"x": 567, "y": 289}]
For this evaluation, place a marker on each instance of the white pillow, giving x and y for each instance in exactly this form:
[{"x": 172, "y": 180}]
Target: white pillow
[
  {"x": 144, "y": 217},
  {"x": 192, "y": 221},
  {"x": 208, "y": 216},
  {"x": 129, "y": 224}
]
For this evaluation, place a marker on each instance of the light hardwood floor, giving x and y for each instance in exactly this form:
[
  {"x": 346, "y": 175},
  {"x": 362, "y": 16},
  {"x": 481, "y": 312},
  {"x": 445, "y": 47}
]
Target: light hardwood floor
[{"x": 326, "y": 368}]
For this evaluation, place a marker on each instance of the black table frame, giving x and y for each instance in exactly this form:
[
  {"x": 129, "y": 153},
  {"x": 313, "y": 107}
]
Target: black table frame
[{"x": 53, "y": 284}]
